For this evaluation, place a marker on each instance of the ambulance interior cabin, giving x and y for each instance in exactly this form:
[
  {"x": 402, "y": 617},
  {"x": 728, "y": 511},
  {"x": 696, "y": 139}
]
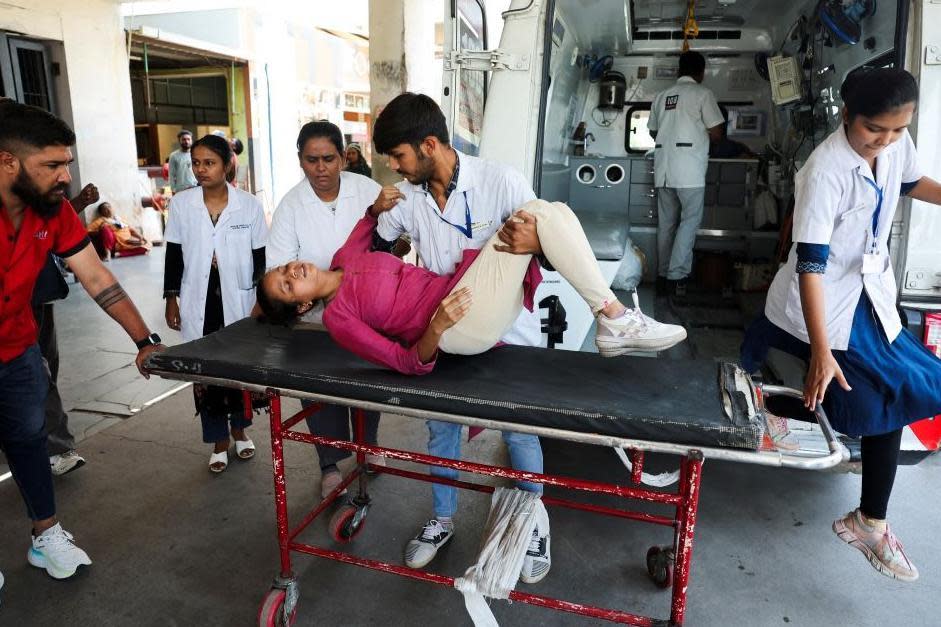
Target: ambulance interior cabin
[{"x": 775, "y": 68}]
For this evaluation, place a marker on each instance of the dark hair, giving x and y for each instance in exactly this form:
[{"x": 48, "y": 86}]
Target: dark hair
[
  {"x": 219, "y": 145},
  {"x": 325, "y": 129},
  {"x": 182, "y": 133},
  {"x": 274, "y": 311},
  {"x": 408, "y": 119},
  {"x": 873, "y": 92},
  {"x": 237, "y": 146},
  {"x": 26, "y": 126},
  {"x": 692, "y": 63}
]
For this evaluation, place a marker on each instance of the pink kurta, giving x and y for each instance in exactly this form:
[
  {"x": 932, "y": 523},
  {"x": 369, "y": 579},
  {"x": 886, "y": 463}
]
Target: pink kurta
[{"x": 384, "y": 305}]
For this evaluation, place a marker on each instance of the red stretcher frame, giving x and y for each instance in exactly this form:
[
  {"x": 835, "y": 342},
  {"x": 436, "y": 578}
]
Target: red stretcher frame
[{"x": 668, "y": 566}]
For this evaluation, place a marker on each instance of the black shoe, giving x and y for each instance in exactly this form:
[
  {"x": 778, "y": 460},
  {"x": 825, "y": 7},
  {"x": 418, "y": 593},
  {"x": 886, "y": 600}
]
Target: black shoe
[
  {"x": 663, "y": 286},
  {"x": 679, "y": 288}
]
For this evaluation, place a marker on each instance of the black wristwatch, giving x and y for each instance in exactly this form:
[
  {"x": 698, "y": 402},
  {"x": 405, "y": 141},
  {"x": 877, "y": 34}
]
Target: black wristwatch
[{"x": 151, "y": 340}]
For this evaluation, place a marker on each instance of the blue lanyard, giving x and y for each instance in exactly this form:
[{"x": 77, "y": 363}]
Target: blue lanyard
[
  {"x": 875, "y": 214},
  {"x": 467, "y": 229}
]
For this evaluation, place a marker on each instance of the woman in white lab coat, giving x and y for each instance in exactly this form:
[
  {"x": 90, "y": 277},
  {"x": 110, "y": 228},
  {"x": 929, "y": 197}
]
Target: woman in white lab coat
[
  {"x": 216, "y": 237},
  {"x": 833, "y": 303},
  {"x": 311, "y": 223}
]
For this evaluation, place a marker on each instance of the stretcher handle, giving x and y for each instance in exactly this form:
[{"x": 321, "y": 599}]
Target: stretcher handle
[{"x": 833, "y": 441}]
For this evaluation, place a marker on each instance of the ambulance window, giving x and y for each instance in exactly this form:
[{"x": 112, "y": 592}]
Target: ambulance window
[{"x": 637, "y": 138}]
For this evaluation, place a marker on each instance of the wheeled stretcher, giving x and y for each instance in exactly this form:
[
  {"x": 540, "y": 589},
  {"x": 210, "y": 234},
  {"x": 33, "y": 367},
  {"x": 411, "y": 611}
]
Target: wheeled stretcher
[{"x": 693, "y": 409}]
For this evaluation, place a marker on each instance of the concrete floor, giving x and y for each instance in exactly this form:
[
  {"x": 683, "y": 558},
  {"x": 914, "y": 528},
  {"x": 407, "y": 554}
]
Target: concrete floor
[{"x": 173, "y": 545}]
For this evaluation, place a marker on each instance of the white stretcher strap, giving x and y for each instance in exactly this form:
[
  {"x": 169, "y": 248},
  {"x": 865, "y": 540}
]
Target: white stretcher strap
[
  {"x": 656, "y": 481},
  {"x": 506, "y": 538}
]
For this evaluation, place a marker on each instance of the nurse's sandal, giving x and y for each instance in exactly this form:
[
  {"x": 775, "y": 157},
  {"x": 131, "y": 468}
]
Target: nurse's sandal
[
  {"x": 218, "y": 462},
  {"x": 881, "y": 547}
]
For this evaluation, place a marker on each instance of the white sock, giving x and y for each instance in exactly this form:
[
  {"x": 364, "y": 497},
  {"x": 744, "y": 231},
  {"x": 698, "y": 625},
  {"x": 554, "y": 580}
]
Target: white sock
[{"x": 445, "y": 521}]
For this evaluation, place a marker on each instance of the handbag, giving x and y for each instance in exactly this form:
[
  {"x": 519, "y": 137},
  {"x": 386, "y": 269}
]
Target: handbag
[{"x": 50, "y": 284}]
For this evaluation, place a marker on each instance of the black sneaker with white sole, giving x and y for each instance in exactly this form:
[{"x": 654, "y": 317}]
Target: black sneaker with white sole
[
  {"x": 422, "y": 548},
  {"x": 538, "y": 558}
]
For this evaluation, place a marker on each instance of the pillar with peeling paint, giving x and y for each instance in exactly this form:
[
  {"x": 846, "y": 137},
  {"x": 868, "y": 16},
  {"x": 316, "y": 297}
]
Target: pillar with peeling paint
[{"x": 404, "y": 55}]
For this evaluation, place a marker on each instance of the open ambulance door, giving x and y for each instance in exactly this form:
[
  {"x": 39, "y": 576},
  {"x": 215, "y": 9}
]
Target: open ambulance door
[
  {"x": 491, "y": 98},
  {"x": 466, "y": 70}
]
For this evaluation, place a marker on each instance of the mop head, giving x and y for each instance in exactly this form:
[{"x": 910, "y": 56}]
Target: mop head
[{"x": 509, "y": 529}]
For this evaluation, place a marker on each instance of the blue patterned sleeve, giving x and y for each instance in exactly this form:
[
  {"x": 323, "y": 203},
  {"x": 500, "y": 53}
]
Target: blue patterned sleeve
[{"x": 812, "y": 258}]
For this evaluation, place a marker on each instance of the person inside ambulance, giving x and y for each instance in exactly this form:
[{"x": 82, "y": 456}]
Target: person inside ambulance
[
  {"x": 683, "y": 120},
  {"x": 311, "y": 222}
]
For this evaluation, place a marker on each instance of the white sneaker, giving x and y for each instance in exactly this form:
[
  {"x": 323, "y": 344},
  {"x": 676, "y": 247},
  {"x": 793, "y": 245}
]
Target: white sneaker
[
  {"x": 633, "y": 331},
  {"x": 55, "y": 551},
  {"x": 1, "y": 585},
  {"x": 538, "y": 559},
  {"x": 66, "y": 462},
  {"x": 422, "y": 548}
]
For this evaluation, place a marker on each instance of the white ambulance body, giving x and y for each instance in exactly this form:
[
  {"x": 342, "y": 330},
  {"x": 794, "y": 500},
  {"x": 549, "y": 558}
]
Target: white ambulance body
[{"x": 774, "y": 67}]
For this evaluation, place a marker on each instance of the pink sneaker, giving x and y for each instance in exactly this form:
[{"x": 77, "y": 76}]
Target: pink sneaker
[
  {"x": 779, "y": 433},
  {"x": 882, "y": 549}
]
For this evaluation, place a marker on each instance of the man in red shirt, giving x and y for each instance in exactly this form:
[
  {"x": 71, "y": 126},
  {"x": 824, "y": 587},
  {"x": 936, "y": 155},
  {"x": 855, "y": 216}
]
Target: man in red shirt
[{"x": 36, "y": 219}]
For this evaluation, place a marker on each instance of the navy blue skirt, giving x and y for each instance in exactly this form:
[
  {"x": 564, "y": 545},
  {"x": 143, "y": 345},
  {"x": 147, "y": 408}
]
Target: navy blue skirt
[{"x": 894, "y": 384}]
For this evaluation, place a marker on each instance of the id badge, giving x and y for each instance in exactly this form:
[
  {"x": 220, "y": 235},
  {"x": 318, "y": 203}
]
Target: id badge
[{"x": 873, "y": 263}]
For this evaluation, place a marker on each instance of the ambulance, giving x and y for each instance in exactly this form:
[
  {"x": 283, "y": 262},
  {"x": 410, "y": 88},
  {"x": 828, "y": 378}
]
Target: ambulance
[{"x": 566, "y": 95}]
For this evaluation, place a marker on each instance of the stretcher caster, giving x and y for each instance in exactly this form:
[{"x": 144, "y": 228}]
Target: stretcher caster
[
  {"x": 278, "y": 609},
  {"x": 660, "y": 561},
  {"x": 347, "y": 522}
]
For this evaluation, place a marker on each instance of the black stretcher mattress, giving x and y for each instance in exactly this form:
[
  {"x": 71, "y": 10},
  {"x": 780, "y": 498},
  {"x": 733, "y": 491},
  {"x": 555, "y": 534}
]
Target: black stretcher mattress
[{"x": 663, "y": 400}]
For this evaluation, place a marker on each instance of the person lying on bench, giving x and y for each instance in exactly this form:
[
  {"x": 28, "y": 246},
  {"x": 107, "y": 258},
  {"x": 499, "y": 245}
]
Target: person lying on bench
[
  {"x": 114, "y": 235},
  {"x": 399, "y": 315}
]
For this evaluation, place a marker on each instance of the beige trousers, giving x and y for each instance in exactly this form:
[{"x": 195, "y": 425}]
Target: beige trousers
[{"x": 496, "y": 279}]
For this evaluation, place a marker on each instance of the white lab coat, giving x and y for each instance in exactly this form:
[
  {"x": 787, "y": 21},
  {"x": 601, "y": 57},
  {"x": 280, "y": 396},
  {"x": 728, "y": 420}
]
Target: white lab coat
[
  {"x": 491, "y": 192},
  {"x": 304, "y": 228},
  {"x": 681, "y": 116},
  {"x": 240, "y": 229},
  {"x": 834, "y": 203}
]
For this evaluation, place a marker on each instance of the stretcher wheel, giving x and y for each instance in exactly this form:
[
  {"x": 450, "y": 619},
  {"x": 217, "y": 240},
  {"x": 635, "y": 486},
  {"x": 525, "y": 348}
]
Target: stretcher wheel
[
  {"x": 347, "y": 522},
  {"x": 271, "y": 613},
  {"x": 660, "y": 565}
]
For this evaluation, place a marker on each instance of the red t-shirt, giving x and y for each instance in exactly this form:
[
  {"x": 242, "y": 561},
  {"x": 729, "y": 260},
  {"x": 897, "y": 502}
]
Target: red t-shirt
[{"x": 22, "y": 256}]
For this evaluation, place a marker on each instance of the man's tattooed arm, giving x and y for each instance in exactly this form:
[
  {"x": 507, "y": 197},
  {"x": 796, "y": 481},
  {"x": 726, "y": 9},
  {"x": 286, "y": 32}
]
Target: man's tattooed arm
[{"x": 112, "y": 294}]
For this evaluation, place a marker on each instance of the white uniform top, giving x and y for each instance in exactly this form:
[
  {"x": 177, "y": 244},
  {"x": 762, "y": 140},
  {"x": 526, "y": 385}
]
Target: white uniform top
[
  {"x": 681, "y": 116},
  {"x": 487, "y": 193},
  {"x": 240, "y": 229},
  {"x": 304, "y": 228},
  {"x": 836, "y": 198}
]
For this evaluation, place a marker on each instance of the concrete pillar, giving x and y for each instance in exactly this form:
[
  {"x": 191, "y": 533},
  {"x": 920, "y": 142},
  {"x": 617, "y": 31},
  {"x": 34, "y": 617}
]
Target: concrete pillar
[{"x": 402, "y": 47}]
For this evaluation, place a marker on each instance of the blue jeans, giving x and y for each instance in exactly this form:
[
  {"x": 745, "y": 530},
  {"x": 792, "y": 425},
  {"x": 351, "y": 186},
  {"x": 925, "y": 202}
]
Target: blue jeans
[
  {"x": 445, "y": 441},
  {"x": 23, "y": 387}
]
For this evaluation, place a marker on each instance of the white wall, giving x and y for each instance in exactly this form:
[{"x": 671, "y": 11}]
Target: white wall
[
  {"x": 93, "y": 89},
  {"x": 221, "y": 27}
]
